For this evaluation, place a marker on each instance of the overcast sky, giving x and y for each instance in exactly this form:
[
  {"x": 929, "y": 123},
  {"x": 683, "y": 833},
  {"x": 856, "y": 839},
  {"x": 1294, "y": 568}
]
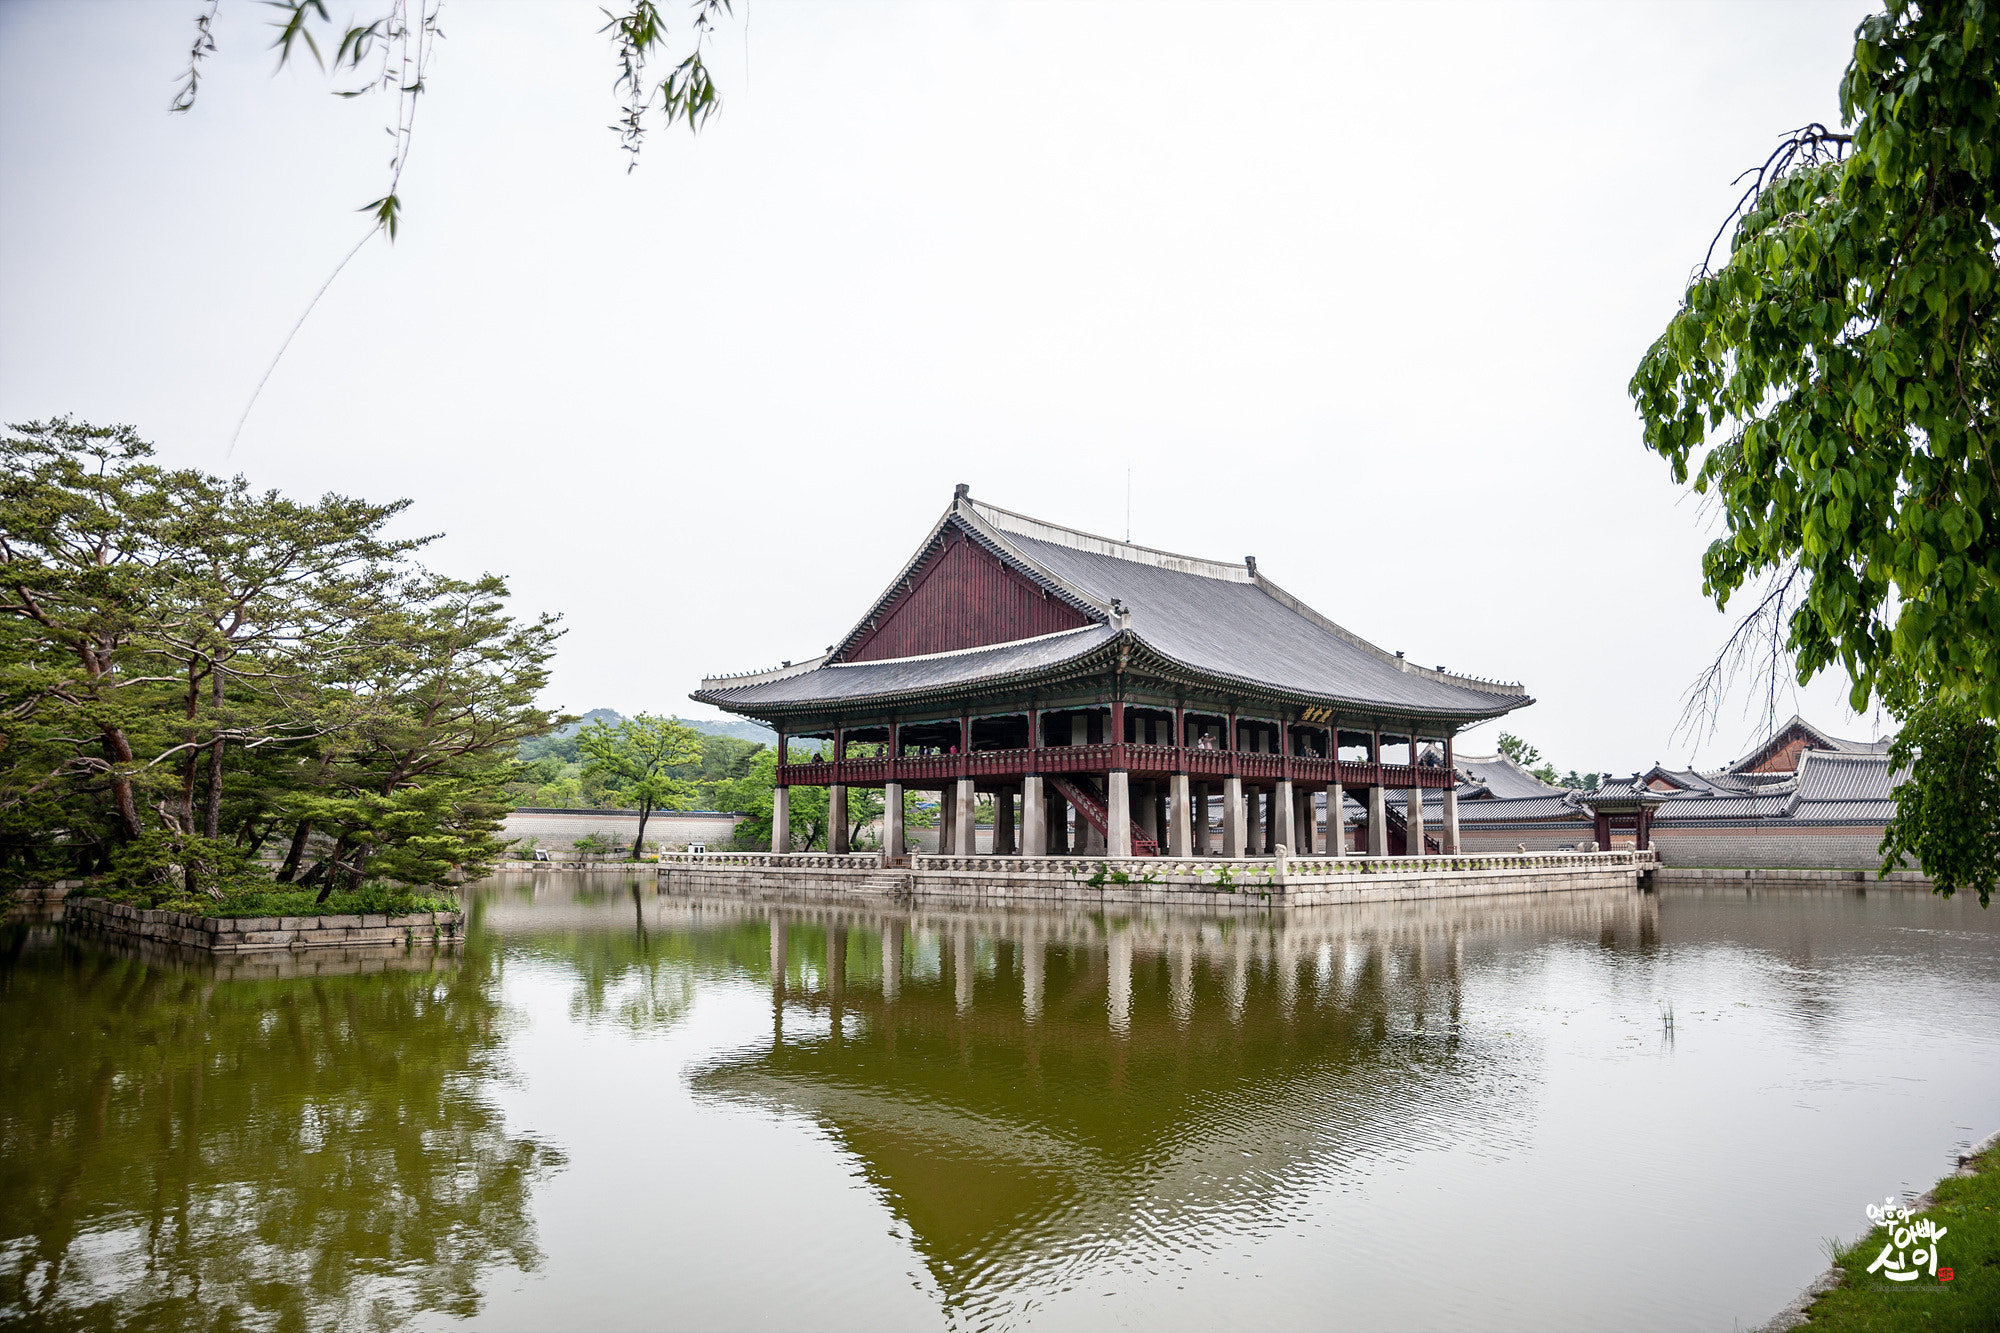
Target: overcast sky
[{"x": 1353, "y": 289}]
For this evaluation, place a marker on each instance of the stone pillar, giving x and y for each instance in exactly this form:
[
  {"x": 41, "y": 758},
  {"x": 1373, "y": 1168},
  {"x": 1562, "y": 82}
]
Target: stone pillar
[
  {"x": 1285, "y": 814},
  {"x": 836, "y": 818},
  {"x": 1378, "y": 822},
  {"x": 1233, "y": 844},
  {"x": 946, "y": 826},
  {"x": 965, "y": 837},
  {"x": 892, "y": 961},
  {"x": 1413, "y": 838},
  {"x": 1198, "y": 812},
  {"x": 1256, "y": 839},
  {"x": 1118, "y": 815},
  {"x": 1181, "y": 821},
  {"x": 1451, "y": 846},
  {"x": 893, "y": 837},
  {"x": 1034, "y": 817},
  {"x": 1146, "y": 806},
  {"x": 1003, "y": 822},
  {"x": 1058, "y": 822},
  {"x": 1336, "y": 820},
  {"x": 781, "y": 820}
]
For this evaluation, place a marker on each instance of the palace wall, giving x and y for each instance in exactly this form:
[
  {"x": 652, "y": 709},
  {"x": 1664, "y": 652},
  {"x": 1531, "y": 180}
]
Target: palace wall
[{"x": 674, "y": 829}]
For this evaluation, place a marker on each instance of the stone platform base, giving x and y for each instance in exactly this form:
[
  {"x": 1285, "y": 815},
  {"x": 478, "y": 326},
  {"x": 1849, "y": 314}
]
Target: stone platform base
[
  {"x": 261, "y": 934},
  {"x": 1777, "y": 878},
  {"x": 1209, "y": 882}
]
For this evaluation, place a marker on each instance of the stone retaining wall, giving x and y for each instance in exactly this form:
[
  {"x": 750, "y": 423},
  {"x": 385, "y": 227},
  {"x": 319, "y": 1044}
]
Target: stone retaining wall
[
  {"x": 1065, "y": 879},
  {"x": 254, "y": 934},
  {"x": 1786, "y": 877},
  {"x": 555, "y": 830}
]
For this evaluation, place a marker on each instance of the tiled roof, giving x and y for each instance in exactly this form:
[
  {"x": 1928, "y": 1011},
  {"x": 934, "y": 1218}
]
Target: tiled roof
[
  {"x": 1685, "y": 809},
  {"x": 1827, "y": 776},
  {"x": 1821, "y": 741},
  {"x": 1220, "y": 620},
  {"x": 1500, "y": 775},
  {"x": 1555, "y": 805}
]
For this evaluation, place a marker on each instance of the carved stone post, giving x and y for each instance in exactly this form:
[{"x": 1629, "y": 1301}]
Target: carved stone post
[
  {"x": 1233, "y": 842},
  {"x": 781, "y": 820},
  {"x": 1118, "y": 816},
  {"x": 836, "y": 818},
  {"x": 892, "y": 819},
  {"x": 1180, "y": 818}
]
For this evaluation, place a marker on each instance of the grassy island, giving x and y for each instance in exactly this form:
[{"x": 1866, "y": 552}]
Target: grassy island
[
  {"x": 1967, "y": 1209},
  {"x": 282, "y": 900}
]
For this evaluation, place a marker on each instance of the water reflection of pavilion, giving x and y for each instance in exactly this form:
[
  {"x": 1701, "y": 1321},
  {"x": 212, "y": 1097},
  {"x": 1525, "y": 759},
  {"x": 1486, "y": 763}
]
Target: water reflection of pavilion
[{"x": 1028, "y": 1090}]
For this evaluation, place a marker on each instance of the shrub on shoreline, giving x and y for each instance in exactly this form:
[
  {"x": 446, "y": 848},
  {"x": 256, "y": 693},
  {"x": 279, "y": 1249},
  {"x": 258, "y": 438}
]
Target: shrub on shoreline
[{"x": 372, "y": 899}]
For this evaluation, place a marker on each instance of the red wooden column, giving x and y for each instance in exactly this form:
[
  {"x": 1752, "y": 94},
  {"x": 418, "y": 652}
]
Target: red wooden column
[{"x": 1118, "y": 733}]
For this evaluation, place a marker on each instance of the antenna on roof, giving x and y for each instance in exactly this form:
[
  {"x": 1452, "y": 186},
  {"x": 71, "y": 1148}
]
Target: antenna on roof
[{"x": 1128, "y": 502}]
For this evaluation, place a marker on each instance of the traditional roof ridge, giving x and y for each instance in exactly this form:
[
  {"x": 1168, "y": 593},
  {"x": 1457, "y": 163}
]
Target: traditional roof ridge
[
  {"x": 1828, "y": 743},
  {"x": 730, "y": 682},
  {"x": 1077, "y": 540},
  {"x": 962, "y": 515}
]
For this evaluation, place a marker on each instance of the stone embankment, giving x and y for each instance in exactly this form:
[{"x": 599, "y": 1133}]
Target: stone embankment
[
  {"x": 1778, "y": 877},
  {"x": 258, "y": 934},
  {"x": 1297, "y": 881}
]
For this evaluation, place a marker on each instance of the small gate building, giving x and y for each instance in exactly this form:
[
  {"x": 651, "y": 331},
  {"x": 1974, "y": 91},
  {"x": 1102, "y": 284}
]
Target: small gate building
[{"x": 1108, "y": 697}]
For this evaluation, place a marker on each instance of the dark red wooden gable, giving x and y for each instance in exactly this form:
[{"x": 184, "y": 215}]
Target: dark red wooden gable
[
  {"x": 962, "y": 597},
  {"x": 1781, "y": 753}
]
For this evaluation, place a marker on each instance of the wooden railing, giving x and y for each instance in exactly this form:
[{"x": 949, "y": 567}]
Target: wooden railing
[{"x": 939, "y": 770}]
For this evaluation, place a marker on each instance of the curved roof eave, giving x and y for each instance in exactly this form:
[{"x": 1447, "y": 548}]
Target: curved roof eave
[{"x": 1098, "y": 656}]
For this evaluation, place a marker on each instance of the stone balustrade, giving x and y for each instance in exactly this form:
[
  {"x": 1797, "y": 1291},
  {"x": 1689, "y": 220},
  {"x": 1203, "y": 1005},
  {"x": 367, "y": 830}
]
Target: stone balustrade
[
  {"x": 1215, "y": 871},
  {"x": 815, "y": 861}
]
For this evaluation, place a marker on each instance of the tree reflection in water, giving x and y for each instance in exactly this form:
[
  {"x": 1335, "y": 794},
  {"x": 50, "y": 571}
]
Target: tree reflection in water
[
  {"x": 185, "y": 1148},
  {"x": 1038, "y": 1094}
]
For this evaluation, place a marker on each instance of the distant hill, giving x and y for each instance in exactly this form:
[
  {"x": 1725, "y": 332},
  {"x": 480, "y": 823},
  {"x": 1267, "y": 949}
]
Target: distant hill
[
  {"x": 607, "y": 714},
  {"x": 740, "y": 730}
]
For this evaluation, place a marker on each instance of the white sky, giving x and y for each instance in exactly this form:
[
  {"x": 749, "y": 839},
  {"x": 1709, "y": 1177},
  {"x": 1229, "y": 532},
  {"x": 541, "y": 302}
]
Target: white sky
[{"x": 1353, "y": 289}]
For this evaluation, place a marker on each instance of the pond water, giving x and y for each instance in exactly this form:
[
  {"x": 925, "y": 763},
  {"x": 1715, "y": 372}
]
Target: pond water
[{"x": 617, "y": 1109}]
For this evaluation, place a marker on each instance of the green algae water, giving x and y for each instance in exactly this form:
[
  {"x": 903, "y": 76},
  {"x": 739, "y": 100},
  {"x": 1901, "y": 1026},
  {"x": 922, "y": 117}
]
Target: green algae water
[{"x": 613, "y": 1108}]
